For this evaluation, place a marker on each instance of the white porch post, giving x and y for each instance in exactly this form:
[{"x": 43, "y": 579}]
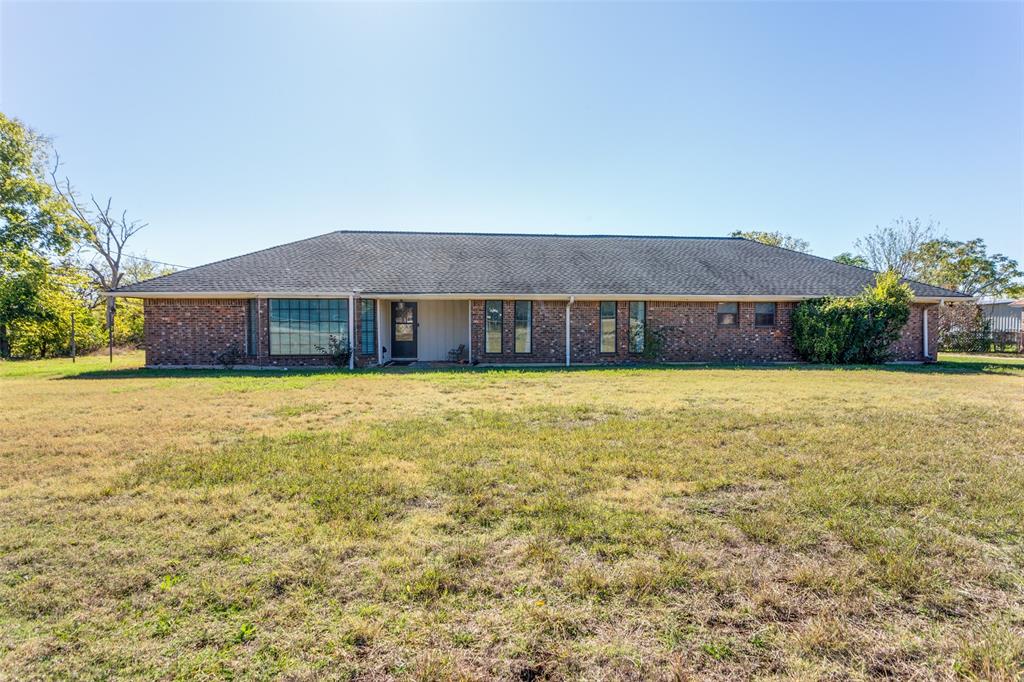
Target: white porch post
[
  {"x": 469, "y": 345},
  {"x": 380, "y": 342},
  {"x": 351, "y": 331}
]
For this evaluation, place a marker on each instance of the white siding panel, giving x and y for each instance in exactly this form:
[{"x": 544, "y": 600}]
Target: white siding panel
[
  {"x": 444, "y": 325},
  {"x": 385, "y": 328}
]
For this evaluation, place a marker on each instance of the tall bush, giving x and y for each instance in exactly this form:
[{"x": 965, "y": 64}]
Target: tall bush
[{"x": 858, "y": 329}]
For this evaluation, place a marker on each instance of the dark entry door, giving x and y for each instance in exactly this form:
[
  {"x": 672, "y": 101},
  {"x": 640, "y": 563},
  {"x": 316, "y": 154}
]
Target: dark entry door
[{"x": 403, "y": 330}]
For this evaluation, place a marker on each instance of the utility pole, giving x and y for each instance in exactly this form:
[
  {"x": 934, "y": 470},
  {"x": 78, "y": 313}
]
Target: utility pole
[
  {"x": 110, "y": 326},
  {"x": 72, "y": 337}
]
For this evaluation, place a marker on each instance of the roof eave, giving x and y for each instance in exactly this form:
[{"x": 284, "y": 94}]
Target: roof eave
[{"x": 496, "y": 294}]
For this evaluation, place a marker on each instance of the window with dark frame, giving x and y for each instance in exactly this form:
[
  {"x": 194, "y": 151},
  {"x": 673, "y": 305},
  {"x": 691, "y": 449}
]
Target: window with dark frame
[
  {"x": 492, "y": 326},
  {"x": 607, "y": 329},
  {"x": 728, "y": 314},
  {"x": 368, "y": 326},
  {"x": 637, "y": 325},
  {"x": 299, "y": 325},
  {"x": 764, "y": 314},
  {"x": 524, "y": 327},
  {"x": 252, "y": 338}
]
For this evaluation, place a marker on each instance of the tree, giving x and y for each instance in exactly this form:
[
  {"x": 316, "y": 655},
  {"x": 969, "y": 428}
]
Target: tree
[
  {"x": 847, "y": 258},
  {"x": 781, "y": 239},
  {"x": 895, "y": 247},
  {"x": 106, "y": 240},
  {"x": 36, "y": 225},
  {"x": 49, "y": 333},
  {"x": 968, "y": 268}
]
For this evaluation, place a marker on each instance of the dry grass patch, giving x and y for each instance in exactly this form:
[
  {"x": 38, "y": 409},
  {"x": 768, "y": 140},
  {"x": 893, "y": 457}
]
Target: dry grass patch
[{"x": 606, "y": 524}]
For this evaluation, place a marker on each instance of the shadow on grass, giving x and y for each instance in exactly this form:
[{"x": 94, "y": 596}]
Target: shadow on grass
[{"x": 1009, "y": 367}]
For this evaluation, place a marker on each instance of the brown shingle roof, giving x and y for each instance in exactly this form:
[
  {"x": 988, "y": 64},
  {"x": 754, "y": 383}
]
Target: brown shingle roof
[{"x": 381, "y": 263}]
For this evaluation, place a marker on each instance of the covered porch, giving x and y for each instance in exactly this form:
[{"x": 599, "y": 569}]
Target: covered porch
[{"x": 422, "y": 330}]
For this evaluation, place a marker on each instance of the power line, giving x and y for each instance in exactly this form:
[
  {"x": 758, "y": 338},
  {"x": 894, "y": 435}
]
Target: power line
[{"x": 159, "y": 262}]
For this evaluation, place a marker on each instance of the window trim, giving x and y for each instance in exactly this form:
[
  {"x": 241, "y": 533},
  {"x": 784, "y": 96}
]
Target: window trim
[
  {"x": 615, "y": 328},
  {"x": 501, "y": 326},
  {"x": 736, "y": 315},
  {"x": 343, "y": 325},
  {"x": 775, "y": 314},
  {"x": 529, "y": 327},
  {"x": 642, "y": 324}
]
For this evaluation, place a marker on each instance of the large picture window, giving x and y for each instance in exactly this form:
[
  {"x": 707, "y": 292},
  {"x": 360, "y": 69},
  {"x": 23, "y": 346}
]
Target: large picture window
[
  {"x": 637, "y": 324},
  {"x": 492, "y": 327},
  {"x": 607, "y": 326},
  {"x": 524, "y": 327},
  {"x": 367, "y": 326},
  {"x": 299, "y": 325}
]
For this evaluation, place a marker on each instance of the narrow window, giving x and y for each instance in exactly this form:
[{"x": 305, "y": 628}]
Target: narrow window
[
  {"x": 608, "y": 326},
  {"x": 637, "y": 323},
  {"x": 367, "y": 326},
  {"x": 728, "y": 314},
  {"x": 764, "y": 315},
  {"x": 298, "y": 326},
  {"x": 492, "y": 327},
  {"x": 524, "y": 327},
  {"x": 252, "y": 331}
]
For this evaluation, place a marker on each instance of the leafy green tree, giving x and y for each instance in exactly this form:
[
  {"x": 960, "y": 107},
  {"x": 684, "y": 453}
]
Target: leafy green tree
[
  {"x": 847, "y": 258},
  {"x": 967, "y": 267},
  {"x": 48, "y": 333},
  {"x": 36, "y": 226},
  {"x": 786, "y": 241}
]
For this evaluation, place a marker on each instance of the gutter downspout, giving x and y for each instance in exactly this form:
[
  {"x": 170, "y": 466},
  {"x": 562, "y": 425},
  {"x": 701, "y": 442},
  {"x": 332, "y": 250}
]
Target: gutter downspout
[
  {"x": 568, "y": 316},
  {"x": 469, "y": 347},
  {"x": 351, "y": 331}
]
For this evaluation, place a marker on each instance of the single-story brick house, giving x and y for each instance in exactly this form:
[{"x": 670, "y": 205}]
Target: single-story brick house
[{"x": 502, "y": 299}]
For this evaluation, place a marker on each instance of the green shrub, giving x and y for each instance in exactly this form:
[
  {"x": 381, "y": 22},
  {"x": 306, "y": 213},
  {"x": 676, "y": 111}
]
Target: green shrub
[{"x": 859, "y": 329}]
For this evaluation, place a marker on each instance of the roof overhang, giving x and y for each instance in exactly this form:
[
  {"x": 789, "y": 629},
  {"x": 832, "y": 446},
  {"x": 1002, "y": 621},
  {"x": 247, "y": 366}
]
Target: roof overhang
[{"x": 413, "y": 296}]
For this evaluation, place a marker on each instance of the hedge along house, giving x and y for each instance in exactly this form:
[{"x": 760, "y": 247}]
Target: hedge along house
[{"x": 500, "y": 299}]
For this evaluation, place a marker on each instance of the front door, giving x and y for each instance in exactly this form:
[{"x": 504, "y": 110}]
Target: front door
[{"x": 403, "y": 329}]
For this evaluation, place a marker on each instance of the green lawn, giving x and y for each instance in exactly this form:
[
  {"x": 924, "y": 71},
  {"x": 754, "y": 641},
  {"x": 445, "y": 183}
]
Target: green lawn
[{"x": 718, "y": 522}]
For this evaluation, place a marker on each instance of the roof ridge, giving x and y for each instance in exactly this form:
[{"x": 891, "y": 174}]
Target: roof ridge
[{"x": 529, "y": 234}]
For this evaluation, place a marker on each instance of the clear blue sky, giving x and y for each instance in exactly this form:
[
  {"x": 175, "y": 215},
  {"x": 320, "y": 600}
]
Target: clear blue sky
[{"x": 231, "y": 127}]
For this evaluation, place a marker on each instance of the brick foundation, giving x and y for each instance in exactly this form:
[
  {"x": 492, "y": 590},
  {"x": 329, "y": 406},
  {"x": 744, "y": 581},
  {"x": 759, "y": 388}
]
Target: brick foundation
[{"x": 197, "y": 331}]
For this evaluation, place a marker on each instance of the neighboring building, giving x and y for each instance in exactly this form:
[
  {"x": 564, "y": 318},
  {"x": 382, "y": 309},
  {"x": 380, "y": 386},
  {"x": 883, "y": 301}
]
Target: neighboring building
[
  {"x": 1018, "y": 306},
  {"x": 505, "y": 299},
  {"x": 1002, "y": 314}
]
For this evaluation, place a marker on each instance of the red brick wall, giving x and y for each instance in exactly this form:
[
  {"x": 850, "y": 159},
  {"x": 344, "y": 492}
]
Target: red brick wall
[
  {"x": 691, "y": 333},
  {"x": 547, "y": 346},
  {"x": 192, "y": 331},
  {"x": 586, "y": 333},
  {"x": 910, "y": 345},
  {"x": 196, "y": 331}
]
